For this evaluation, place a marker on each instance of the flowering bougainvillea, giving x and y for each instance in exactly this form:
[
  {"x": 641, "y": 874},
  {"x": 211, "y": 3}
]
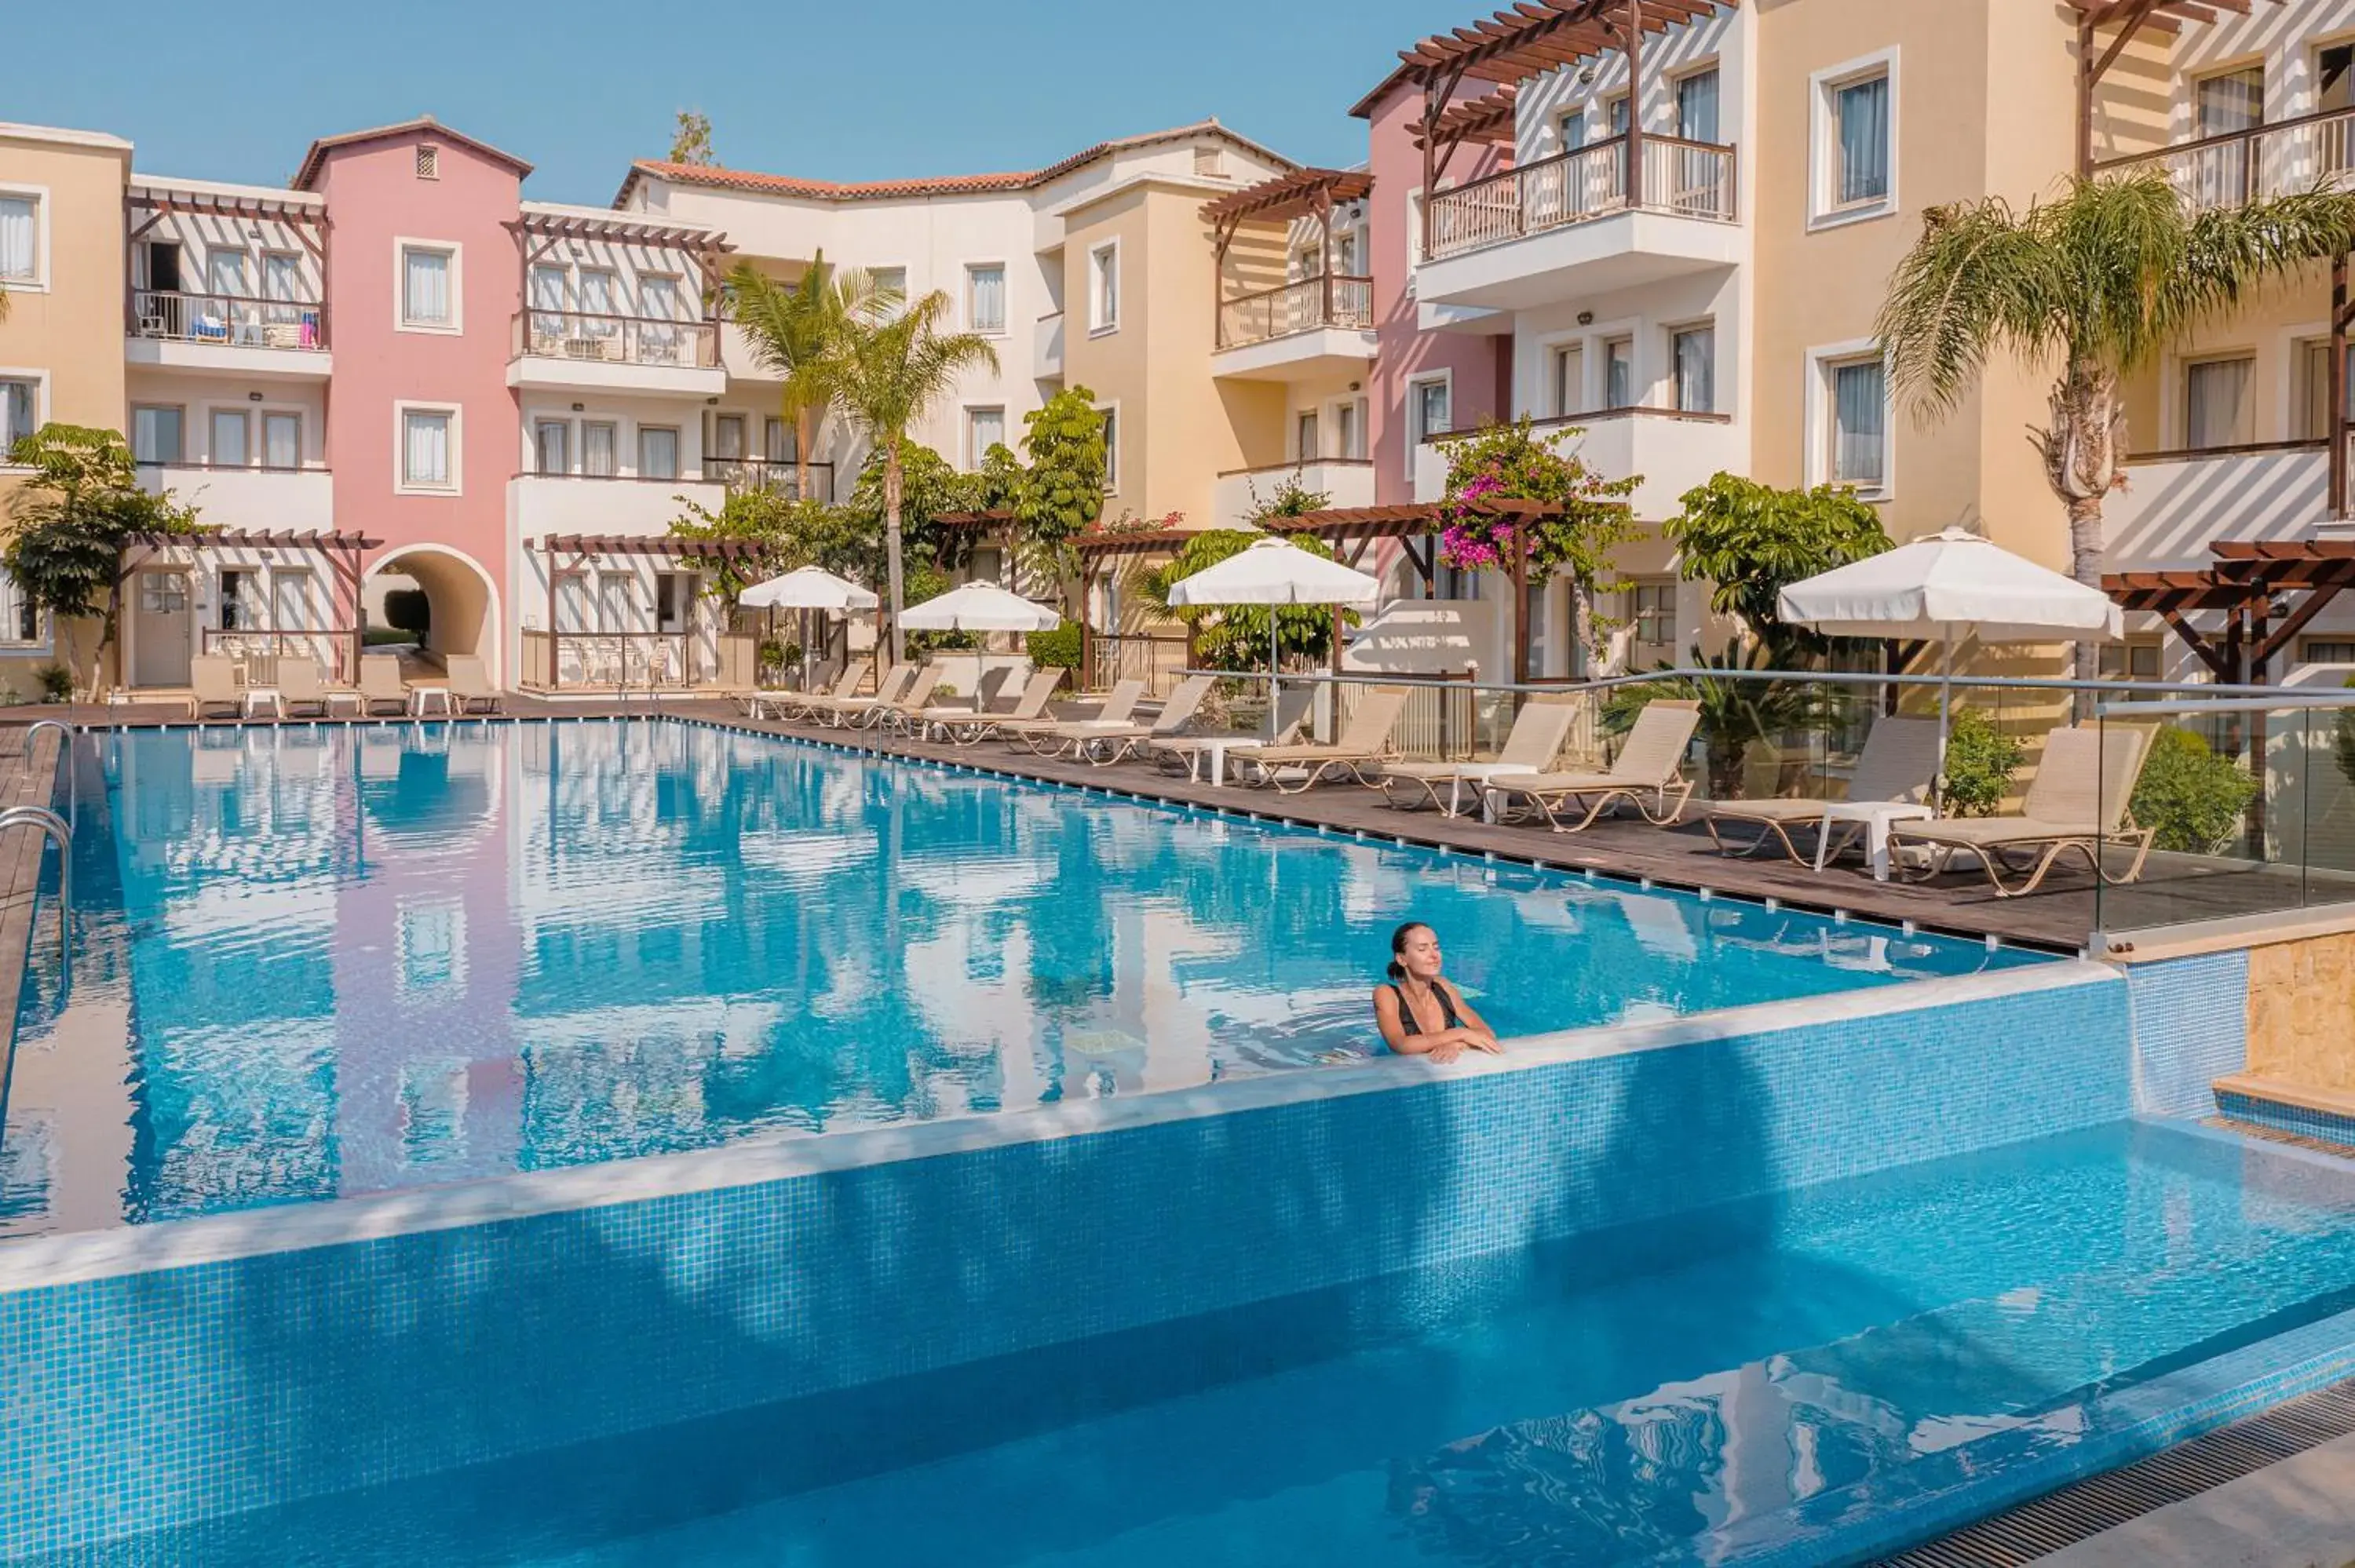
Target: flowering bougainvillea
[{"x": 1512, "y": 463}]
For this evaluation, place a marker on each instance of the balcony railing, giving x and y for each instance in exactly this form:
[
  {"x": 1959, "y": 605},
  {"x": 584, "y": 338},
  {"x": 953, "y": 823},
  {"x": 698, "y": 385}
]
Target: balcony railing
[
  {"x": 229, "y": 321},
  {"x": 781, "y": 475},
  {"x": 1689, "y": 179},
  {"x": 616, "y": 340},
  {"x": 2258, "y": 164},
  {"x": 644, "y": 661},
  {"x": 1325, "y": 301}
]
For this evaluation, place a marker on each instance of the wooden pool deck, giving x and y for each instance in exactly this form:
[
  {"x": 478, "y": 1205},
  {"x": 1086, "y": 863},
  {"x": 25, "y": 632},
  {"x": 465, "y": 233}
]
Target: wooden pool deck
[{"x": 2059, "y": 915}]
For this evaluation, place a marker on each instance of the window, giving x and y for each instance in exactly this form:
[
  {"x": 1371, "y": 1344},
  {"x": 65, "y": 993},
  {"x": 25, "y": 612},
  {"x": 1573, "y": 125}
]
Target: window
[
  {"x": 1697, "y": 106},
  {"x": 429, "y": 162},
  {"x": 290, "y": 600},
  {"x": 20, "y": 406},
  {"x": 241, "y": 596},
  {"x": 1112, "y": 449},
  {"x": 1349, "y": 426},
  {"x": 1571, "y": 129},
  {"x": 428, "y": 294},
  {"x": 1413, "y": 235},
  {"x": 1303, "y": 444},
  {"x": 1852, "y": 170},
  {"x": 2217, "y": 409},
  {"x": 726, "y": 437},
  {"x": 2232, "y": 101},
  {"x": 1567, "y": 365},
  {"x": 20, "y": 237},
  {"x": 1428, "y": 415},
  {"x": 2133, "y": 661},
  {"x": 231, "y": 436},
  {"x": 1861, "y": 109},
  {"x": 1210, "y": 163},
  {"x": 157, "y": 435},
  {"x": 1619, "y": 373},
  {"x": 597, "y": 294},
  {"x": 282, "y": 285},
  {"x": 431, "y": 940},
  {"x": 889, "y": 280},
  {"x": 1614, "y": 114},
  {"x": 984, "y": 429},
  {"x": 777, "y": 440},
  {"x": 162, "y": 259},
  {"x": 548, "y": 447},
  {"x": 551, "y": 296},
  {"x": 1348, "y": 252},
  {"x": 985, "y": 298},
  {"x": 281, "y": 440},
  {"x": 675, "y": 600},
  {"x": 1104, "y": 288},
  {"x": 2314, "y": 651},
  {"x": 225, "y": 274},
  {"x": 657, "y": 452},
  {"x": 427, "y": 436},
  {"x": 19, "y": 620},
  {"x": 1652, "y": 611},
  {"x": 1695, "y": 352},
  {"x": 599, "y": 450},
  {"x": 659, "y": 298},
  {"x": 1860, "y": 424},
  {"x": 2314, "y": 388}
]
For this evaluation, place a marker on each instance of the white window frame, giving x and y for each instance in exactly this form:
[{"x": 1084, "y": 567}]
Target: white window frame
[
  {"x": 1417, "y": 435},
  {"x": 1112, "y": 446},
  {"x": 1823, "y": 140},
  {"x": 265, "y": 412},
  {"x": 1098, "y": 326},
  {"x": 2177, "y": 392},
  {"x": 38, "y": 283},
  {"x": 402, "y": 410},
  {"x": 1821, "y": 362},
  {"x": 639, "y": 429},
  {"x": 44, "y": 624},
  {"x": 245, "y": 411},
  {"x": 40, "y": 380},
  {"x": 1413, "y": 236},
  {"x": 1005, "y": 298},
  {"x": 133, "y": 433},
  {"x": 1676, "y": 330},
  {"x": 907, "y": 279},
  {"x": 1331, "y": 431},
  {"x": 974, "y": 450},
  {"x": 401, "y": 246}
]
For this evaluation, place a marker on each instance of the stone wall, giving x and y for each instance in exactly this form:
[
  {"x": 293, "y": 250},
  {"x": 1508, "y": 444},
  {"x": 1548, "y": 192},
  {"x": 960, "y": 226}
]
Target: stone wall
[{"x": 2302, "y": 1011}]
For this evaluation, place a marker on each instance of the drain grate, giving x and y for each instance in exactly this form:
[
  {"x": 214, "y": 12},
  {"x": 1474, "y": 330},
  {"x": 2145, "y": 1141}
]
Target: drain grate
[{"x": 2085, "y": 1509}]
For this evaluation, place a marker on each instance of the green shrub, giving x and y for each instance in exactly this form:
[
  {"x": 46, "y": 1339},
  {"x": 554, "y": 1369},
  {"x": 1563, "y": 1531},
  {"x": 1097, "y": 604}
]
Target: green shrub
[
  {"x": 2190, "y": 797},
  {"x": 1980, "y": 761},
  {"x": 1056, "y": 650},
  {"x": 409, "y": 609},
  {"x": 56, "y": 682}
]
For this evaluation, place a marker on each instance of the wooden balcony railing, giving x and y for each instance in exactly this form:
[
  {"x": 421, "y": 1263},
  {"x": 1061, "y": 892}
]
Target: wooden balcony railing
[
  {"x": 780, "y": 475},
  {"x": 228, "y": 320},
  {"x": 2258, "y": 164},
  {"x": 616, "y": 340},
  {"x": 1689, "y": 179},
  {"x": 635, "y": 660},
  {"x": 1328, "y": 300}
]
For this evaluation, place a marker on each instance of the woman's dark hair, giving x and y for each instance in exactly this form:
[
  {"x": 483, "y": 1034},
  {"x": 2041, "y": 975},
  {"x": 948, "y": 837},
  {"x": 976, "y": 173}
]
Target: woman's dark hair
[{"x": 1398, "y": 945}]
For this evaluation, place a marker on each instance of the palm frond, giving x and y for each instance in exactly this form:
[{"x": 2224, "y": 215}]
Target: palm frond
[{"x": 1977, "y": 279}]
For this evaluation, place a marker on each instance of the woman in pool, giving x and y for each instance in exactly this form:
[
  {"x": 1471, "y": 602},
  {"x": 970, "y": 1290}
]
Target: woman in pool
[{"x": 1421, "y": 1014}]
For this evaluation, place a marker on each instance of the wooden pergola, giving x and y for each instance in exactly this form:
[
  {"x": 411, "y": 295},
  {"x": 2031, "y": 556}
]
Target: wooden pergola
[
  {"x": 2124, "y": 21},
  {"x": 2251, "y": 583},
  {"x": 146, "y": 204},
  {"x": 538, "y": 234},
  {"x": 343, "y": 550},
  {"x": 1303, "y": 193}
]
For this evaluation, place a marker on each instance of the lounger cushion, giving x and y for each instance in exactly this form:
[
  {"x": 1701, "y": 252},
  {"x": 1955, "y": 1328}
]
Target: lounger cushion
[
  {"x": 1564, "y": 783},
  {"x": 1983, "y": 832},
  {"x": 1778, "y": 810}
]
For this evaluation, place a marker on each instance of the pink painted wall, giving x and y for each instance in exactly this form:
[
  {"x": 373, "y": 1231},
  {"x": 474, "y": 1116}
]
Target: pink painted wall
[
  {"x": 374, "y": 201},
  {"x": 1482, "y": 366}
]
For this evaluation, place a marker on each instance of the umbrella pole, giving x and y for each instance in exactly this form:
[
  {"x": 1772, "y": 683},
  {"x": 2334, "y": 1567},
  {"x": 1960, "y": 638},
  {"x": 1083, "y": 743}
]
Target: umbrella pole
[
  {"x": 1273, "y": 675},
  {"x": 1945, "y": 696}
]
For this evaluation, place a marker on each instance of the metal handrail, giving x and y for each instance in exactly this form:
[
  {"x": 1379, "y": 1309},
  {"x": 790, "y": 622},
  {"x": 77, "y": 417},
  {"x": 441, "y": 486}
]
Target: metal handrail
[
  {"x": 59, "y": 834},
  {"x": 1831, "y": 677},
  {"x": 65, "y": 748},
  {"x": 2281, "y": 701}
]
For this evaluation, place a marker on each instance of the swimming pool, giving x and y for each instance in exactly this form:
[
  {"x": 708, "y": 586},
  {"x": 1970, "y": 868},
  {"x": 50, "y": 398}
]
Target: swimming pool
[
  {"x": 1807, "y": 1377},
  {"x": 323, "y": 961}
]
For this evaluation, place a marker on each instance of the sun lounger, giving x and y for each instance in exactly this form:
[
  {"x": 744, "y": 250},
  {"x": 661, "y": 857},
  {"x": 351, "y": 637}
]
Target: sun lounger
[
  {"x": 1104, "y": 742},
  {"x": 1650, "y": 763},
  {"x": 1182, "y": 754},
  {"x": 212, "y": 684},
  {"x": 1538, "y": 733},
  {"x": 900, "y": 713},
  {"x": 962, "y": 726},
  {"x": 1899, "y": 766},
  {"x": 381, "y": 682},
  {"x": 1048, "y": 736},
  {"x": 1364, "y": 741},
  {"x": 784, "y": 704},
  {"x": 299, "y": 685},
  {"x": 840, "y": 712},
  {"x": 2075, "y": 803},
  {"x": 470, "y": 685}
]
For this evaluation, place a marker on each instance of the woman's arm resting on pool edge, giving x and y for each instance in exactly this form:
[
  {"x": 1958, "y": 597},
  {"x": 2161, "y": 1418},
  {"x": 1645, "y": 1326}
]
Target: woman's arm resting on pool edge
[{"x": 1444, "y": 1047}]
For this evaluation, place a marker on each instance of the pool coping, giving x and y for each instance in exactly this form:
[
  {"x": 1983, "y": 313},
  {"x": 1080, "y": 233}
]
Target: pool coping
[
  {"x": 39, "y": 1262},
  {"x": 28, "y": 778}
]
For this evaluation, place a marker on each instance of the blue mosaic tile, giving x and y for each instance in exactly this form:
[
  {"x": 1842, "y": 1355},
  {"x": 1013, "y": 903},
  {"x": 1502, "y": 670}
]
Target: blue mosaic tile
[
  {"x": 2191, "y": 1028},
  {"x": 2322, "y": 1126}
]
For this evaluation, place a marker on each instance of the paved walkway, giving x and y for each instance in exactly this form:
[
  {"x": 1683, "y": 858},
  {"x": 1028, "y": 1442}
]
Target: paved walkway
[{"x": 2298, "y": 1513}]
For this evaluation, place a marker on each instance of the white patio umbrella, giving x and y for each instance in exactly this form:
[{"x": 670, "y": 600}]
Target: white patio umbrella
[
  {"x": 807, "y": 587},
  {"x": 1276, "y": 572},
  {"x": 980, "y": 607},
  {"x": 1946, "y": 584}
]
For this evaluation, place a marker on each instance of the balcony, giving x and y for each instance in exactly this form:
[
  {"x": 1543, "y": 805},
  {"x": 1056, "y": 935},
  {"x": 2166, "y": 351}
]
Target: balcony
[
  {"x": 583, "y": 504},
  {"x": 1048, "y": 347},
  {"x": 1574, "y": 224},
  {"x": 1672, "y": 450},
  {"x": 2314, "y": 151},
  {"x": 1345, "y": 481},
  {"x": 295, "y": 500},
  {"x": 2175, "y": 504},
  {"x": 229, "y": 335},
  {"x": 567, "y": 351},
  {"x": 781, "y": 476},
  {"x": 1313, "y": 329}
]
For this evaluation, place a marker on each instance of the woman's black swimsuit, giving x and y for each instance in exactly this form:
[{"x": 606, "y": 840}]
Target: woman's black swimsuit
[{"x": 1406, "y": 1014}]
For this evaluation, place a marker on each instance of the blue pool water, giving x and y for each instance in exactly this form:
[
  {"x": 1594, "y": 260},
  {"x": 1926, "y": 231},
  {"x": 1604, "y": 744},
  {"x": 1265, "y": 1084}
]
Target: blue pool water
[
  {"x": 317, "y": 962},
  {"x": 1787, "y": 1377}
]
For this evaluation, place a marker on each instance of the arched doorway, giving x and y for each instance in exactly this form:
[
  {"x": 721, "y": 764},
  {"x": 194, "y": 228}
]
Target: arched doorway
[{"x": 462, "y": 599}]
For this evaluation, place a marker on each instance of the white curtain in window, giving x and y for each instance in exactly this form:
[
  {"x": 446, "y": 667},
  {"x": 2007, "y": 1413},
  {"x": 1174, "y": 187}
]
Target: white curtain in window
[
  {"x": 1859, "y": 423},
  {"x": 597, "y": 455},
  {"x": 1305, "y": 446},
  {"x": 20, "y": 622},
  {"x": 19, "y": 237},
  {"x": 156, "y": 435},
  {"x": 2216, "y": 404},
  {"x": 576, "y": 606},
  {"x": 618, "y": 606},
  {"x": 1431, "y": 409},
  {"x": 290, "y": 602},
  {"x": 232, "y": 438},
  {"x": 778, "y": 443},
  {"x": 548, "y": 289},
  {"x": 1697, "y": 107},
  {"x": 225, "y": 273},
  {"x": 426, "y": 448},
  {"x": 658, "y": 299},
  {"x": 1863, "y": 108},
  {"x": 988, "y": 298},
  {"x": 1618, "y": 374},
  {"x": 1350, "y": 429},
  {"x": 282, "y": 277},
  {"x": 1697, "y": 371},
  {"x": 549, "y": 435},
  {"x": 281, "y": 440},
  {"x": 657, "y": 453},
  {"x": 989, "y": 431},
  {"x": 425, "y": 286},
  {"x": 2234, "y": 101}
]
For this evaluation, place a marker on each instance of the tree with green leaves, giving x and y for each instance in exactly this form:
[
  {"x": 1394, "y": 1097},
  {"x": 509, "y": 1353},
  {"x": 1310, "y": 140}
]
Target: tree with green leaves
[
  {"x": 800, "y": 332},
  {"x": 2097, "y": 281},
  {"x": 1749, "y": 541},
  {"x": 888, "y": 375},
  {"x": 74, "y": 519},
  {"x": 690, "y": 144},
  {"x": 1061, "y": 488}
]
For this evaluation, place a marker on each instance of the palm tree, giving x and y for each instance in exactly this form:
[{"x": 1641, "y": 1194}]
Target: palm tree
[
  {"x": 2098, "y": 280},
  {"x": 798, "y": 331},
  {"x": 889, "y": 375}
]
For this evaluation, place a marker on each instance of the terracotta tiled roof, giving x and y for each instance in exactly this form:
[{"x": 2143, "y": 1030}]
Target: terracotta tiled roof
[{"x": 928, "y": 185}]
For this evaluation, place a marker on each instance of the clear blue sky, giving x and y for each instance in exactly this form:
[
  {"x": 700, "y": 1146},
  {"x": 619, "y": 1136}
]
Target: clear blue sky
[{"x": 832, "y": 92}]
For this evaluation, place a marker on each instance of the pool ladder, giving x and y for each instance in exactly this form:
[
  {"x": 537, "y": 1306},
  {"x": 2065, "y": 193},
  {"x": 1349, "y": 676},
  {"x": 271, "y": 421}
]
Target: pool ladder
[{"x": 59, "y": 834}]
